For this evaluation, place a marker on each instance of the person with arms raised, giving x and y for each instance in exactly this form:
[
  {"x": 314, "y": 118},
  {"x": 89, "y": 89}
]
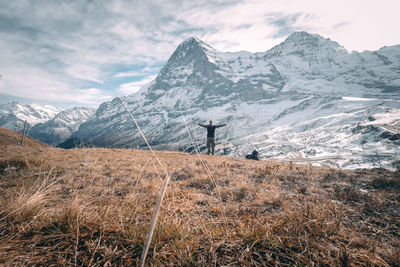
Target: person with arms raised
[{"x": 211, "y": 135}]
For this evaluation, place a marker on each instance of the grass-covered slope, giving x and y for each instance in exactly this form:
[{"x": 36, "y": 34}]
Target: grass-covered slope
[
  {"x": 92, "y": 207},
  {"x": 11, "y": 138}
]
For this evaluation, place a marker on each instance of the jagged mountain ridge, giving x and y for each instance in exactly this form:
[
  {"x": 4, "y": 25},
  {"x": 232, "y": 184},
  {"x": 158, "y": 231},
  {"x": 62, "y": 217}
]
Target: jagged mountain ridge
[
  {"x": 44, "y": 122},
  {"x": 13, "y": 115},
  {"x": 62, "y": 126},
  {"x": 306, "y": 97}
]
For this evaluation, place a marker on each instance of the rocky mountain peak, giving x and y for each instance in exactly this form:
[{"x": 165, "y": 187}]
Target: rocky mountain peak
[
  {"x": 192, "y": 57},
  {"x": 303, "y": 36},
  {"x": 303, "y": 44},
  {"x": 190, "y": 41},
  {"x": 195, "y": 43},
  {"x": 189, "y": 50},
  {"x": 75, "y": 113}
]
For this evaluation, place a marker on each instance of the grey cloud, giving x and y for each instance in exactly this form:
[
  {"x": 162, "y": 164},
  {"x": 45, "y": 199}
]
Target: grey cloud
[
  {"x": 285, "y": 23},
  {"x": 244, "y": 26},
  {"x": 11, "y": 24},
  {"x": 341, "y": 25},
  {"x": 83, "y": 29}
]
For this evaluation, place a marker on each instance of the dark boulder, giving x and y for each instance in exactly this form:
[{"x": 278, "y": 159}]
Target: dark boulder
[{"x": 253, "y": 155}]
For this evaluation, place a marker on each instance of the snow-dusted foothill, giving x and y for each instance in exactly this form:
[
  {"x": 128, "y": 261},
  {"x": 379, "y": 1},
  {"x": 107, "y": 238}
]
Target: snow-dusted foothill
[
  {"x": 306, "y": 99},
  {"x": 61, "y": 127}
]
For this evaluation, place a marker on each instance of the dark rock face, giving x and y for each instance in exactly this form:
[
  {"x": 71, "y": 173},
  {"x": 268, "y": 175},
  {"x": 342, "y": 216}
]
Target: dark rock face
[{"x": 390, "y": 136}]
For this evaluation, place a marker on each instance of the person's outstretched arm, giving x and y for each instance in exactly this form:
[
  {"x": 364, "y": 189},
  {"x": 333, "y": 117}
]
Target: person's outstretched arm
[
  {"x": 221, "y": 125},
  {"x": 202, "y": 125}
]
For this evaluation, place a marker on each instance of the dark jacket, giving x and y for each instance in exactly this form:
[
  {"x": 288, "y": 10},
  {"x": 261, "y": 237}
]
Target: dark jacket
[{"x": 211, "y": 129}]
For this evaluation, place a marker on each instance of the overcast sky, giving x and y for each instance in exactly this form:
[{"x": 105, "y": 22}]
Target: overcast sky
[{"x": 85, "y": 52}]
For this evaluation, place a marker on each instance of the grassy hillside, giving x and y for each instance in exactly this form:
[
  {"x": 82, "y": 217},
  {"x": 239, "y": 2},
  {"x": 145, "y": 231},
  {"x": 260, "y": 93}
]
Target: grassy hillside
[
  {"x": 93, "y": 207},
  {"x": 8, "y": 137}
]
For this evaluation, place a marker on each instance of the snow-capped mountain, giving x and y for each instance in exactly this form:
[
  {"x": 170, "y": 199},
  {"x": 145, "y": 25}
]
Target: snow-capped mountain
[
  {"x": 61, "y": 127},
  {"x": 306, "y": 98},
  {"x": 13, "y": 115}
]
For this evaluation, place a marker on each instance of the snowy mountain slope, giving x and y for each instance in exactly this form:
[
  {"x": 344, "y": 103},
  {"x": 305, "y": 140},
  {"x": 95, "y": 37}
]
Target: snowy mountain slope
[
  {"x": 13, "y": 115},
  {"x": 329, "y": 131},
  {"x": 306, "y": 98},
  {"x": 61, "y": 127}
]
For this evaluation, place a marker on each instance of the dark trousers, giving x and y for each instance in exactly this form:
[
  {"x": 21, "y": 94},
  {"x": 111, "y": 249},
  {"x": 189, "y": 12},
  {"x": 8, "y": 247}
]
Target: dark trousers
[{"x": 210, "y": 145}]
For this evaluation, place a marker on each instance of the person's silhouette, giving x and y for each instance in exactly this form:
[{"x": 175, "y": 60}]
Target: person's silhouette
[{"x": 211, "y": 135}]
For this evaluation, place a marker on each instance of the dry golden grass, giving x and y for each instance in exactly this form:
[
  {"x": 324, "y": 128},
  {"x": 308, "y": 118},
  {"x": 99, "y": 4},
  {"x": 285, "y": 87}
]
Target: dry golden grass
[
  {"x": 92, "y": 207},
  {"x": 8, "y": 137}
]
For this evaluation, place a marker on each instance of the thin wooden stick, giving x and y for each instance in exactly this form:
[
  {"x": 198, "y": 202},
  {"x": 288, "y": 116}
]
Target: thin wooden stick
[
  {"x": 160, "y": 197},
  {"x": 153, "y": 222},
  {"x": 23, "y": 134}
]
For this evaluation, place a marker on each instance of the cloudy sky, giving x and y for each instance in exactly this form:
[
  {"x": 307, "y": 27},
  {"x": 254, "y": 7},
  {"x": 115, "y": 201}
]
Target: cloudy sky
[{"x": 81, "y": 53}]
